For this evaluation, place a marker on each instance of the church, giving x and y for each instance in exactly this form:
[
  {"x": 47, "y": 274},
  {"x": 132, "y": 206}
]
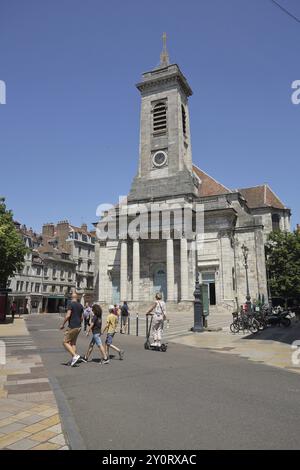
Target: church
[{"x": 165, "y": 253}]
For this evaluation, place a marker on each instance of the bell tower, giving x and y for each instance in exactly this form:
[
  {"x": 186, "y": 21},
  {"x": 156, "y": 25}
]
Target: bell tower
[{"x": 165, "y": 156}]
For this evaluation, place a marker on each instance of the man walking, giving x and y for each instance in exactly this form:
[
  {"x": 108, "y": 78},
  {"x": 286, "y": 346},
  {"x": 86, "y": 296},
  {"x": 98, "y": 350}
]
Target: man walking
[
  {"x": 13, "y": 310},
  {"x": 124, "y": 317},
  {"x": 74, "y": 319}
]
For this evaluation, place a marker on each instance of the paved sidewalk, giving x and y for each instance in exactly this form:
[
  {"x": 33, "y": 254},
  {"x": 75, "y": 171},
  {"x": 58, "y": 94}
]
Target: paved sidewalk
[
  {"x": 271, "y": 347},
  {"x": 29, "y": 416}
]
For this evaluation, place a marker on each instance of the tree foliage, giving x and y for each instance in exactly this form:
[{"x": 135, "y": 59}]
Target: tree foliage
[
  {"x": 12, "y": 247},
  {"x": 283, "y": 264}
]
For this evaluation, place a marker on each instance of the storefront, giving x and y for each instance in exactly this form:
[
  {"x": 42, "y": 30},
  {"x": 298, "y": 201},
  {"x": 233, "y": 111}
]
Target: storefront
[{"x": 54, "y": 303}]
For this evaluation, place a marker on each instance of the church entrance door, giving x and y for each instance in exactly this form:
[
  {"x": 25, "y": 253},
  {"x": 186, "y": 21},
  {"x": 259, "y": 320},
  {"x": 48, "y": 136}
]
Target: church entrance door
[{"x": 160, "y": 281}]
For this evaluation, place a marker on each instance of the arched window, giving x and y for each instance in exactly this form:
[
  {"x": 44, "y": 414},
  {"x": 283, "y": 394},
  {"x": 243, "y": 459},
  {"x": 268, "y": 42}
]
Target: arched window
[
  {"x": 183, "y": 114},
  {"x": 275, "y": 222},
  {"x": 160, "y": 117}
]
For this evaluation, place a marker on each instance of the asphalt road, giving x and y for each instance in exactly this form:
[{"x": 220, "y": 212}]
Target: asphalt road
[{"x": 186, "y": 398}]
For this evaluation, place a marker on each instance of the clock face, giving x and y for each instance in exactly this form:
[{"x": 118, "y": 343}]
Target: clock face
[{"x": 159, "y": 159}]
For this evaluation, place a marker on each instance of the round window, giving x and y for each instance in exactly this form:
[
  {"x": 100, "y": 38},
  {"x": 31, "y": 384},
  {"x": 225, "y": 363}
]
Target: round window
[{"x": 160, "y": 159}]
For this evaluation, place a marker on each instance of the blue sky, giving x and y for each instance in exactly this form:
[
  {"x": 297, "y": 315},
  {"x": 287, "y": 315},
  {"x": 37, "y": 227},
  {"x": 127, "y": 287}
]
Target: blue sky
[{"x": 70, "y": 128}]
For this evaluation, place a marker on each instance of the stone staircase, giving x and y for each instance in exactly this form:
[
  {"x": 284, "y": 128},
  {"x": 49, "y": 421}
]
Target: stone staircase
[{"x": 181, "y": 319}]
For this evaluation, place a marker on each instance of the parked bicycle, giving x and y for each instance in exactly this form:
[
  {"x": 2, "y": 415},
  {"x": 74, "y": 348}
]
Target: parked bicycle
[
  {"x": 244, "y": 322},
  {"x": 259, "y": 320}
]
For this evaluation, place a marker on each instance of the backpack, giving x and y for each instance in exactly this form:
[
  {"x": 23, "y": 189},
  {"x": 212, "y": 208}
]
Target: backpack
[{"x": 124, "y": 310}]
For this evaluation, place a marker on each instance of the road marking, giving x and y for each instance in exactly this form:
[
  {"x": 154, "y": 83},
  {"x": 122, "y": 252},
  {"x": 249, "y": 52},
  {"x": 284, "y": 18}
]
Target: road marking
[{"x": 50, "y": 329}]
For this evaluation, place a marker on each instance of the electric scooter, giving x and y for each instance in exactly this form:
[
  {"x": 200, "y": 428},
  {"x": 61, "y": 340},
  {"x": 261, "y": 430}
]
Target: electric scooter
[{"x": 147, "y": 345}]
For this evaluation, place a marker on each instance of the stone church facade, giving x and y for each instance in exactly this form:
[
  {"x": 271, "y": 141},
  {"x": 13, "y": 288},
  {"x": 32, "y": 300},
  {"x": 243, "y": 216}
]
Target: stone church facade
[{"x": 134, "y": 266}]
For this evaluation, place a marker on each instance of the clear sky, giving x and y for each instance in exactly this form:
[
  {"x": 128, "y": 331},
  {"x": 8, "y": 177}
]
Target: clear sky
[{"x": 70, "y": 128}]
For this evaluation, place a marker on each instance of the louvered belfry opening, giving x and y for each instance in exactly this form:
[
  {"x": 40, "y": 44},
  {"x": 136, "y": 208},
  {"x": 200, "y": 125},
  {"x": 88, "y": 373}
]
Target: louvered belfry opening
[
  {"x": 160, "y": 117},
  {"x": 183, "y": 119}
]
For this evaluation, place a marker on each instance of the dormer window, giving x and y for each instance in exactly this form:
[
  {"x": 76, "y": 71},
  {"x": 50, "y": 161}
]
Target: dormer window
[{"x": 160, "y": 117}]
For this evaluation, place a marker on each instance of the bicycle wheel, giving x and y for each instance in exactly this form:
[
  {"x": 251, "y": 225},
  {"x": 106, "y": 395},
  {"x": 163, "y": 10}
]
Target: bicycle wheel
[
  {"x": 234, "y": 327},
  {"x": 253, "y": 326},
  {"x": 261, "y": 324}
]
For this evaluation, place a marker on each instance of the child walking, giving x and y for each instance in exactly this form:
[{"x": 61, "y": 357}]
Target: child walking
[
  {"x": 111, "y": 328},
  {"x": 95, "y": 328}
]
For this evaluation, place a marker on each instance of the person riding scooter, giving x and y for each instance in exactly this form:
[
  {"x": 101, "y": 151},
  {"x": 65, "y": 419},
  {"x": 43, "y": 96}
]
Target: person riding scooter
[{"x": 159, "y": 316}]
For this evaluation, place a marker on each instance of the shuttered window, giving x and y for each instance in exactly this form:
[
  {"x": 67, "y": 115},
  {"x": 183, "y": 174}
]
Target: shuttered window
[{"x": 160, "y": 117}]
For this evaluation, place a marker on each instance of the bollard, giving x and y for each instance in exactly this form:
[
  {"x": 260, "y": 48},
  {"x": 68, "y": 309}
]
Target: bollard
[{"x": 137, "y": 325}]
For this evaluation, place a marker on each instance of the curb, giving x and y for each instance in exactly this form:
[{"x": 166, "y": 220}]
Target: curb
[{"x": 69, "y": 426}]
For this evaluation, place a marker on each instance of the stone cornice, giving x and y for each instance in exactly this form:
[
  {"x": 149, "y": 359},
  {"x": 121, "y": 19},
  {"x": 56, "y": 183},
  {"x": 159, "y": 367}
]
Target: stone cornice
[{"x": 173, "y": 76}]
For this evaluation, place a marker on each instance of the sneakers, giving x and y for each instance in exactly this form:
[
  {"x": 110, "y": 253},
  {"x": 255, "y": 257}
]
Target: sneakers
[
  {"x": 105, "y": 361},
  {"x": 83, "y": 359},
  {"x": 74, "y": 360},
  {"x": 121, "y": 354},
  {"x": 153, "y": 345},
  {"x": 158, "y": 344}
]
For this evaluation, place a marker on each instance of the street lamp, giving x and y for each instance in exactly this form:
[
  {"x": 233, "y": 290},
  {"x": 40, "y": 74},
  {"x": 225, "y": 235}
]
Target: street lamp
[
  {"x": 198, "y": 308},
  {"x": 245, "y": 251}
]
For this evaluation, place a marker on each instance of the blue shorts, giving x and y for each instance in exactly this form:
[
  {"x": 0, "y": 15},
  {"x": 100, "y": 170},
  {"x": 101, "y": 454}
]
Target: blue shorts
[
  {"x": 96, "y": 339},
  {"x": 109, "y": 338}
]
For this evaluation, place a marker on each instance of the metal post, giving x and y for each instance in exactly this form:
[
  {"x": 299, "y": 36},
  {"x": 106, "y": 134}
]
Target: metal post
[
  {"x": 245, "y": 250},
  {"x": 147, "y": 320},
  {"x": 128, "y": 325},
  {"x": 137, "y": 325},
  {"x": 268, "y": 284},
  {"x": 198, "y": 308}
]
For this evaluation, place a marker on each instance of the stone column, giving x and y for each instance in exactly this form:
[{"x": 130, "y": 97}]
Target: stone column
[
  {"x": 287, "y": 223},
  {"x": 123, "y": 271},
  {"x": 136, "y": 270},
  {"x": 170, "y": 270},
  {"x": 184, "y": 274},
  {"x": 192, "y": 266},
  {"x": 100, "y": 276}
]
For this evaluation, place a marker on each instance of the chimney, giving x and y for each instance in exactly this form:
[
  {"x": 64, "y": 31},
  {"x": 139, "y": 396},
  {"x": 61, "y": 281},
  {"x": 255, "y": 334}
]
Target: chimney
[
  {"x": 84, "y": 227},
  {"x": 48, "y": 230},
  {"x": 62, "y": 232},
  {"x": 62, "y": 226}
]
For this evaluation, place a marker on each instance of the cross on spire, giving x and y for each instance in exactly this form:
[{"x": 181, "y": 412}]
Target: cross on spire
[{"x": 164, "y": 56}]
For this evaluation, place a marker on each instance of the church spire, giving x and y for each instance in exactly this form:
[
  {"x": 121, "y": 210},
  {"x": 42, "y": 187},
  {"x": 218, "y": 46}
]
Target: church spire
[{"x": 164, "y": 56}]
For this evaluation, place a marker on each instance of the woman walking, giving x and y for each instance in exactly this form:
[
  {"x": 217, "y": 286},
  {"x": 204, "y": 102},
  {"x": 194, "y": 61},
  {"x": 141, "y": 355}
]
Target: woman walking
[{"x": 95, "y": 328}]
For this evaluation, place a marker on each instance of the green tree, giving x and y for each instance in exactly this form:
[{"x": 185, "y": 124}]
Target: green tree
[
  {"x": 12, "y": 247},
  {"x": 283, "y": 264}
]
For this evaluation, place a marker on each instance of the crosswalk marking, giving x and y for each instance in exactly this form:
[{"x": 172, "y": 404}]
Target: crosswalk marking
[{"x": 18, "y": 342}]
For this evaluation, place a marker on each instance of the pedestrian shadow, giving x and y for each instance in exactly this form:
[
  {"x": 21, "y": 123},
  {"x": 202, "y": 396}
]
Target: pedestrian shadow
[
  {"x": 277, "y": 333},
  {"x": 7, "y": 320}
]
